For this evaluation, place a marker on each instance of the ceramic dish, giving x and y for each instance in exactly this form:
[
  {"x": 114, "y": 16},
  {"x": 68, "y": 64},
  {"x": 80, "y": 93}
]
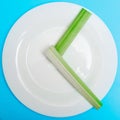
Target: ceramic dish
[{"x": 35, "y": 81}]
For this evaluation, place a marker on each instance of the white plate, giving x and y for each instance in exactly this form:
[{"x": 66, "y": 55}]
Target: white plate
[{"x": 34, "y": 80}]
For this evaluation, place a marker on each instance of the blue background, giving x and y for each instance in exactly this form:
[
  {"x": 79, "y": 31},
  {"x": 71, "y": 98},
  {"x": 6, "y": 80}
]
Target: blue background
[{"x": 11, "y": 108}]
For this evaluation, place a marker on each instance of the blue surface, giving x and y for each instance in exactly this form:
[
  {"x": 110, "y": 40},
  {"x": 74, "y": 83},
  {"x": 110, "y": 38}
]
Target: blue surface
[{"x": 11, "y": 108}]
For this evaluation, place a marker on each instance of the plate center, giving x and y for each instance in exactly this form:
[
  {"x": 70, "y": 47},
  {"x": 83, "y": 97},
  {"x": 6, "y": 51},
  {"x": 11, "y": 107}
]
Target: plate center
[
  {"x": 78, "y": 55},
  {"x": 38, "y": 66}
]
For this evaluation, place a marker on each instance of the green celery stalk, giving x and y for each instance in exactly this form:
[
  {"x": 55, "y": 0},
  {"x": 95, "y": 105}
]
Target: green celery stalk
[
  {"x": 55, "y": 53},
  {"x": 72, "y": 77},
  {"x": 74, "y": 28}
]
